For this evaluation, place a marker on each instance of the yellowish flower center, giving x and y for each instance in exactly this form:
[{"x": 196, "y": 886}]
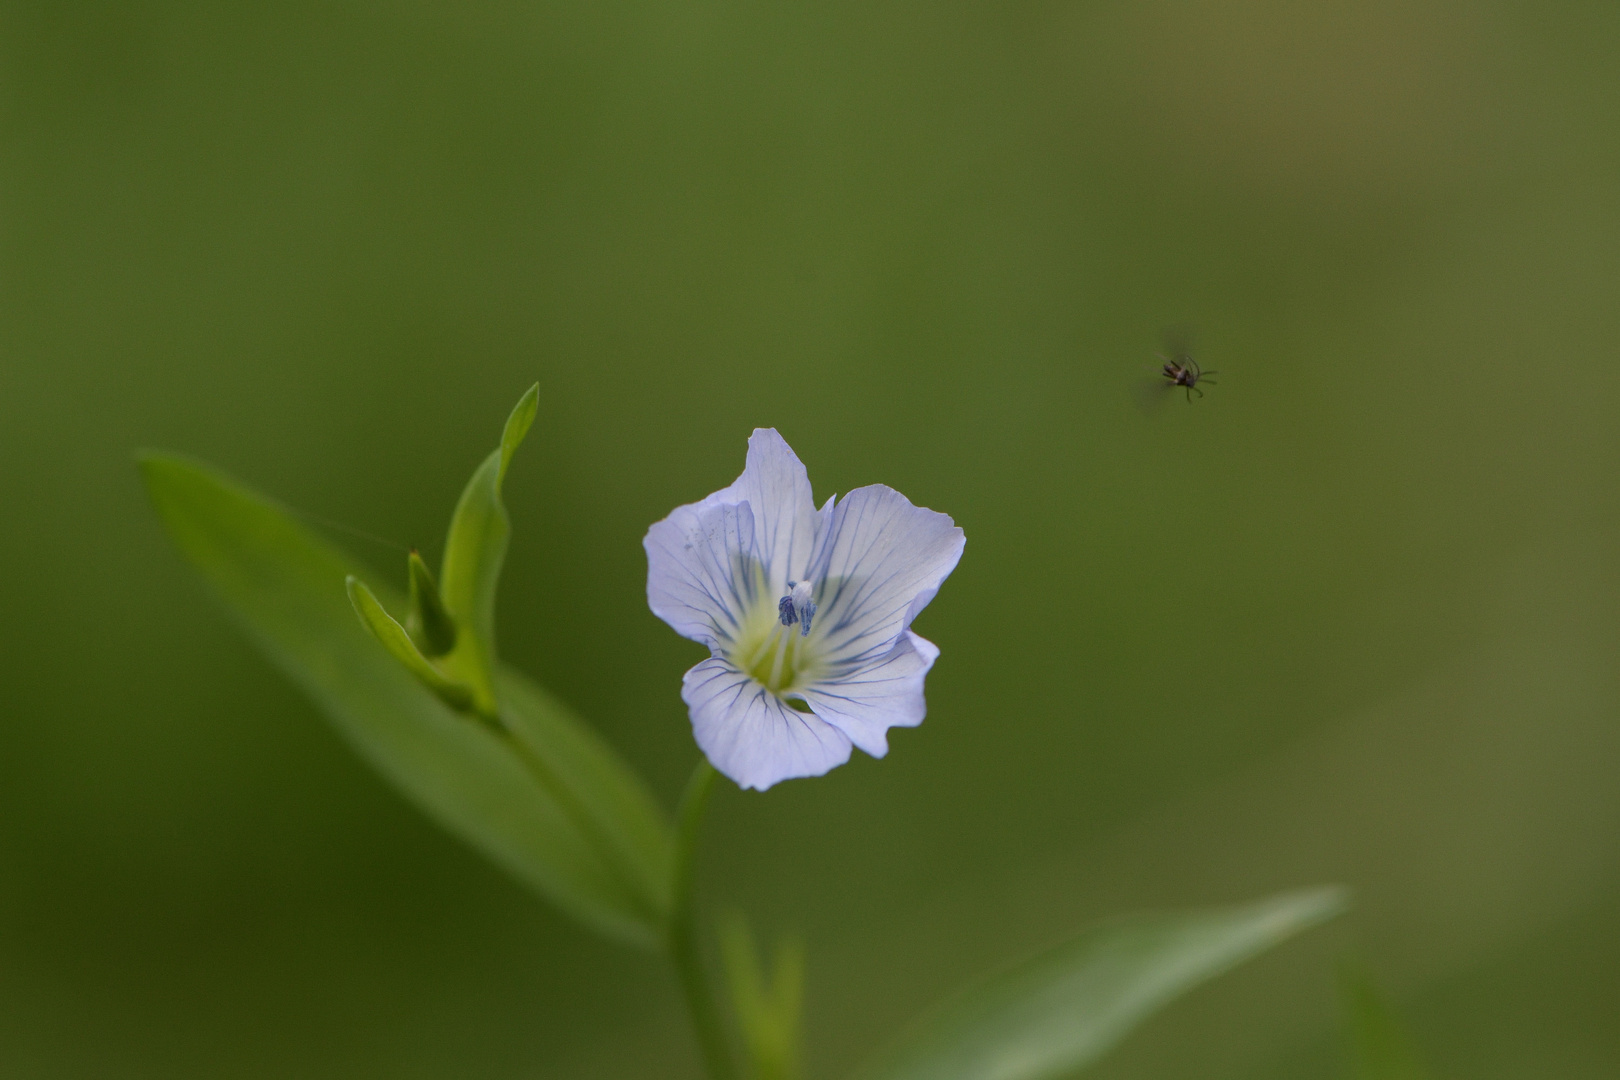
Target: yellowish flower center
[{"x": 781, "y": 658}]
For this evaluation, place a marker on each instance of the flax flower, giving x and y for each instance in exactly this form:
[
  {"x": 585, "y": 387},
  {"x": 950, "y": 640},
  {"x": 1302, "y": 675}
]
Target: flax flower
[{"x": 806, "y": 613}]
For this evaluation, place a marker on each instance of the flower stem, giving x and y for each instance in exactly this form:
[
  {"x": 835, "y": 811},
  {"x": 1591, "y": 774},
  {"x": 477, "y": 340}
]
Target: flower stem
[{"x": 683, "y": 944}]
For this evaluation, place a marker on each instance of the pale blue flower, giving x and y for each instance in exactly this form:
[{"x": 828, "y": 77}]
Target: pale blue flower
[{"x": 807, "y": 615}]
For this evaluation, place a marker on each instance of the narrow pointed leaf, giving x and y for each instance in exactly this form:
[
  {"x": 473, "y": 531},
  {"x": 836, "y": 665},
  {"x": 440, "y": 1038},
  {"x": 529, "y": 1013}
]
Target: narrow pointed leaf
[
  {"x": 393, "y": 637},
  {"x": 1064, "y": 1009},
  {"x": 427, "y": 622},
  {"x": 473, "y": 553},
  {"x": 1380, "y": 1046},
  {"x": 598, "y": 847},
  {"x": 517, "y": 424}
]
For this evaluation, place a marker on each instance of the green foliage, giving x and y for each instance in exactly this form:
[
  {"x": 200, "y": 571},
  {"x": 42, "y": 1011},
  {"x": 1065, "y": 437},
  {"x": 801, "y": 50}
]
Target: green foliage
[
  {"x": 1062, "y": 1010},
  {"x": 766, "y": 1005},
  {"x": 509, "y": 769},
  {"x": 684, "y": 950},
  {"x": 473, "y": 554},
  {"x": 428, "y": 622},
  {"x": 532, "y": 787},
  {"x": 397, "y": 641},
  {"x": 1380, "y": 1048}
]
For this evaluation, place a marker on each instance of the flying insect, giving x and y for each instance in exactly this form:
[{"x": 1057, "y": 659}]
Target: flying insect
[{"x": 1183, "y": 371}]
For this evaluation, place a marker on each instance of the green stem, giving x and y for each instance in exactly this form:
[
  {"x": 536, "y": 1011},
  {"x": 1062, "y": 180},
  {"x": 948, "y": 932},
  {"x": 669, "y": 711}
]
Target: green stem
[{"x": 684, "y": 949}]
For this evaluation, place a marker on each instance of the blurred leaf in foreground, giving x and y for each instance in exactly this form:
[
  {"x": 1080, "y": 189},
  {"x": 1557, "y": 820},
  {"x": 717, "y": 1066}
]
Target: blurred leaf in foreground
[
  {"x": 540, "y": 794},
  {"x": 1380, "y": 1048},
  {"x": 1065, "y": 1008}
]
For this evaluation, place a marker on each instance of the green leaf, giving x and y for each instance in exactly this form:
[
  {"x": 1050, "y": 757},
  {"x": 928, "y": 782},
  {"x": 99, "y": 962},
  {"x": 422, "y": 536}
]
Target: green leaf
[
  {"x": 428, "y": 623},
  {"x": 1381, "y": 1049},
  {"x": 399, "y": 643},
  {"x": 541, "y": 794},
  {"x": 767, "y": 1008},
  {"x": 473, "y": 554},
  {"x": 517, "y": 424},
  {"x": 1064, "y": 1009}
]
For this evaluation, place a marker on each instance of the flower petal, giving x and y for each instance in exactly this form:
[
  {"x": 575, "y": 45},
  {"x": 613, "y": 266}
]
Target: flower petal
[
  {"x": 750, "y": 735},
  {"x": 865, "y": 703},
  {"x": 878, "y": 563},
  {"x": 776, "y": 486},
  {"x": 703, "y": 570}
]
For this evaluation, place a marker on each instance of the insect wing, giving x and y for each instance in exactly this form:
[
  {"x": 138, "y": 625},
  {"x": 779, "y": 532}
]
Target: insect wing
[
  {"x": 1178, "y": 345},
  {"x": 1151, "y": 389}
]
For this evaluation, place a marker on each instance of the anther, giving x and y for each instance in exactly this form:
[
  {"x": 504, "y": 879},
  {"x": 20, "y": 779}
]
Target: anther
[
  {"x": 784, "y": 610},
  {"x": 798, "y": 599}
]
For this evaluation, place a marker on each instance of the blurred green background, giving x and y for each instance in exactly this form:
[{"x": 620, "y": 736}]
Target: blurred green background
[{"x": 1352, "y": 617}]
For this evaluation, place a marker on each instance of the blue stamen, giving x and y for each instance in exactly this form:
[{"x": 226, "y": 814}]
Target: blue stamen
[{"x": 797, "y": 602}]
